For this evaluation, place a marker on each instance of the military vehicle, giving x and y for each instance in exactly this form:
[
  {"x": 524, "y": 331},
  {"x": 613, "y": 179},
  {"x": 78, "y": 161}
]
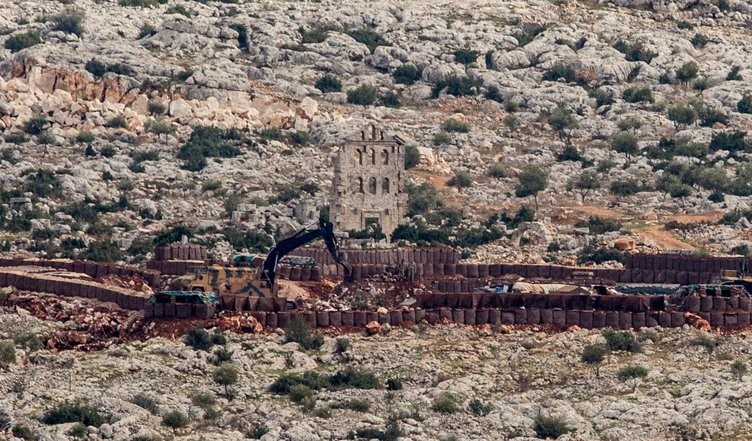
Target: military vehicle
[{"x": 247, "y": 278}]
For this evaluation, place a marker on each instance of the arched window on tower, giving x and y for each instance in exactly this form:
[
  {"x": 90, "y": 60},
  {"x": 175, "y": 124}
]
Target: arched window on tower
[
  {"x": 385, "y": 156},
  {"x": 360, "y": 156},
  {"x": 373, "y": 156},
  {"x": 385, "y": 189},
  {"x": 372, "y": 185},
  {"x": 360, "y": 185}
]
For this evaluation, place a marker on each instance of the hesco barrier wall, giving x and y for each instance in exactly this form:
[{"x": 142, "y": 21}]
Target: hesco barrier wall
[
  {"x": 513, "y": 316},
  {"x": 41, "y": 282},
  {"x": 392, "y": 256},
  {"x": 180, "y": 252},
  {"x": 92, "y": 269},
  {"x": 678, "y": 262},
  {"x": 287, "y": 272},
  {"x": 543, "y": 272}
]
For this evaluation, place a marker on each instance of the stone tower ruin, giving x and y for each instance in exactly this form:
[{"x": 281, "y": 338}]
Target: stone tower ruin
[{"x": 368, "y": 182}]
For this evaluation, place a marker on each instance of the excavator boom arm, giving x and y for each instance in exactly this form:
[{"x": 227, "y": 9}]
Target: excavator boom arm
[{"x": 324, "y": 230}]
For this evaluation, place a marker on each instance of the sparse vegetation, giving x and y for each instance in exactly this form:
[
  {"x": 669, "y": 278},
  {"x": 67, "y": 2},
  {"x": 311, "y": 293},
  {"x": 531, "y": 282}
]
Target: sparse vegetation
[
  {"x": 175, "y": 419},
  {"x": 7, "y": 354},
  {"x": 594, "y": 355},
  {"x": 621, "y": 341},
  {"x": 445, "y": 403},
  {"x": 632, "y": 374},
  {"x": 74, "y": 413},
  {"x": 364, "y": 95},
  {"x": 406, "y": 74},
  {"x": 70, "y": 21},
  {"x": 550, "y": 427},
  {"x": 20, "y": 41},
  {"x": 299, "y": 331},
  {"x": 328, "y": 83}
]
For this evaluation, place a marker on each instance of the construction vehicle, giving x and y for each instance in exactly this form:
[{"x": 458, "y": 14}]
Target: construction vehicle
[{"x": 249, "y": 279}]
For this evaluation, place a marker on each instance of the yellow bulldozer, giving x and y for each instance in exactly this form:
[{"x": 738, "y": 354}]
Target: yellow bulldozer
[{"x": 245, "y": 277}]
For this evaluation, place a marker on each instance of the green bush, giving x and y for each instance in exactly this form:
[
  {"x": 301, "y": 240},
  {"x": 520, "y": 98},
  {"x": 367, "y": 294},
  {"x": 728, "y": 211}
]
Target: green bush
[
  {"x": 638, "y": 94},
  {"x": 36, "y": 124},
  {"x": 632, "y": 373},
  {"x": 199, "y": 339},
  {"x": 159, "y": 126},
  {"x": 17, "y": 42},
  {"x": 460, "y": 180},
  {"x": 635, "y": 52},
  {"x": 78, "y": 431},
  {"x": 85, "y": 137},
  {"x": 257, "y": 432},
  {"x": 594, "y": 355},
  {"x": 43, "y": 183},
  {"x": 455, "y": 126},
  {"x": 243, "y": 40},
  {"x": 532, "y": 180},
  {"x": 599, "y": 225},
  {"x": 731, "y": 141},
  {"x": 621, "y": 341},
  {"x": 559, "y": 71},
  {"x": 142, "y": 3},
  {"x": 407, "y": 74},
  {"x": 550, "y": 427},
  {"x": 602, "y": 98},
  {"x": 393, "y": 384},
  {"x": 74, "y": 413},
  {"x": 96, "y": 67},
  {"x": 708, "y": 117},
  {"x": 146, "y": 402},
  {"x": 392, "y": 432},
  {"x": 745, "y": 104},
  {"x": 364, "y": 95},
  {"x": 357, "y": 405},
  {"x": 117, "y": 122},
  {"x": 600, "y": 255},
  {"x": 70, "y": 21},
  {"x": 28, "y": 340},
  {"x": 299, "y": 138},
  {"x": 204, "y": 400},
  {"x": 352, "y": 378},
  {"x": 174, "y": 419},
  {"x": 456, "y": 86},
  {"x": 328, "y": 83},
  {"x": 734, "y": 75},
  {"x": 7, "y": 354},
  {"x": 369, "y": 38},
  {"x": 625, "y": 142},
  {"x": 466, "y": 56},
  {"x": 478, "y": 408},
  {"x": 46, "y": 138},
  {"x": 16, "y": 138},
  {"x": 342, "y": 345},
  {"x": 299, "y": 331},
  {"x": 625, "y": 187},
  {"x": 739, "y": 369},
  {"x": 390, "y": 99},
  {"x": 299, "y": 393},
  {"x": 146, "y": 30},
  {"x": 178, "y": 9},
  {"x": 156, "y": 108},
  {"x": 23, "y": 432},
  {"x": 445, "y": 403},
  {"x": 561, "y": 119},
  {"x": 209, "y": 142},
  {"x": 497, "y": 171},
  {"x": 285, "y": 382},
  {"x": 687, "y": 71},
  {"x": 441, "y": 138}
]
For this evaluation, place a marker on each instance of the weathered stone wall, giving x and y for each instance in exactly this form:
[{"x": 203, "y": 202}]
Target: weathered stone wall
[{"x": 368, "y": 182}]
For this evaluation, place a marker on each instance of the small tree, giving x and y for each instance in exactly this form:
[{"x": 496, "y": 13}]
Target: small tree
[
  {"x": 406, "y": 74},
  {"x": 532, "y": 180},
  {"x": 36, "y": 124},
  {"x": 226, "y": 375},
  {"x": 412, "y": 156},
  {"x": 625, "y": 142},
  {"x": 466, "y": 56},
  {"x": 550, "y": 427},
  {"x": 587, "y": 180},
  {"x": 560, "y": 120},
  {"x": 687, "y": 71},
  {"x": 629, "y": 123},
  {"x": 594, "y": 355},
  {"x": 17, "y": 42},
  {"x": 632, "y": 374},
  {"x": 682, "y": 115}
]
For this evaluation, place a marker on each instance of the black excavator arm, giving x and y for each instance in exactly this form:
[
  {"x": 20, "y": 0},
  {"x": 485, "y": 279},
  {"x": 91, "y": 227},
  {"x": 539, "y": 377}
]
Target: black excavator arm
[{"x": 324, "y": 230}]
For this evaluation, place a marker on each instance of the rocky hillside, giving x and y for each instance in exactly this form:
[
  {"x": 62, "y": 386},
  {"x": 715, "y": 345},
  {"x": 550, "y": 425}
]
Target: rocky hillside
[
  {"x": 459, "y": 383},
  {"x": 633, "y": 111}
]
